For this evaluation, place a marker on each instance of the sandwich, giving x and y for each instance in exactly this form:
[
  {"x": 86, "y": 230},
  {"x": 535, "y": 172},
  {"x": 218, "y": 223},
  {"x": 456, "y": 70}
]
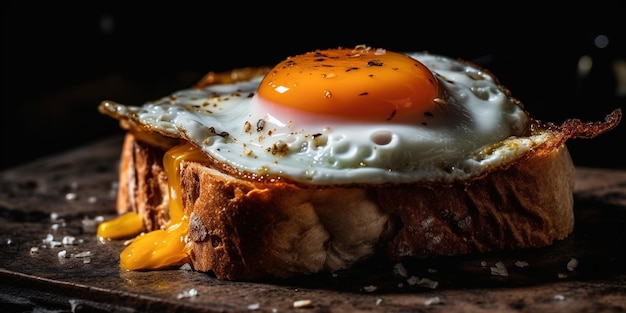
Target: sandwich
[{"x": 336, "y": 156}]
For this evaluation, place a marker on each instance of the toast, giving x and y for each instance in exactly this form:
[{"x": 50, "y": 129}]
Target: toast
[
  {"x": 336, "y": 156},
  {"x": 250, "y": 230}
]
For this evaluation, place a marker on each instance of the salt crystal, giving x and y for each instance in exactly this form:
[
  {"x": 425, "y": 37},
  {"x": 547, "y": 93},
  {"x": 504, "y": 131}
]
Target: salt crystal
[
  {"x": 62, "y": 254},
  {"x": 572, "y": 264},
  {"x": 302, "y": 304},
  {"x": 89, "y": 225},
  {"x": 428, "y": 283},
  {"x": 559, "y": 297},
  {"x": 188, "y": 293},
  {"x": 370, "y": 288},
  {"x": 413, "y": 280},
  {"x": 499, "y": 270},
  {"x": 68, "y": 240},
  {"x": 92, "y": 199},
  {"x": 82, "y": 254},
  {"x": 54, "y": 216},
  {"x": 521, "y": 264},
  {"x": 400, "y": 270},
  {"x": 48, "y": 239},
  {"x": 34, "y": 250},
  {"x": 433, "y": 300},
  {"x": 70, "y": 196},
  {"x": 254, "y": 306},
  {"x": 379, "y": 301}
]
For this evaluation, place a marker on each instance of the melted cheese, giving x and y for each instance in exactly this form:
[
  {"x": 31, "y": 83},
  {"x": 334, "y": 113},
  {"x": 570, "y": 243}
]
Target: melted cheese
[{"x": 165, "y": 247}]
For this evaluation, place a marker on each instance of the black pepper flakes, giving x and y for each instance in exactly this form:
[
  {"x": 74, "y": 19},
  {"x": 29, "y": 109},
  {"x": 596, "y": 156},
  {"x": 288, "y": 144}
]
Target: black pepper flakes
[
  {"x": 221, "y": 134},
  {"x": 260, "y": 124},
  {"x": 372, "y": 63},
  {"x": 289, "y": 63}
]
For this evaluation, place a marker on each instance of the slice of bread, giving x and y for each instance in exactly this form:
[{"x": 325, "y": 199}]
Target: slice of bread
[{"x": 249, "y": 230}]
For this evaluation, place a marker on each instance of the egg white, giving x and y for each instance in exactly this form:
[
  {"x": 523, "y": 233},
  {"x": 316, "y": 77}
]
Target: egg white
[{"x": 233, "y": 125}]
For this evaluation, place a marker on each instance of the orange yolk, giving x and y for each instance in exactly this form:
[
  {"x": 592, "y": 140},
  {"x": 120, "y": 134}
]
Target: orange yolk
[
  {"x": 359, "y": 84},
  {"x": 165, "y": 247}
]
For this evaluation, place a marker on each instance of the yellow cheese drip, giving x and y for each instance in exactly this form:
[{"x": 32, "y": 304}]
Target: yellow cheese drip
[{"x": 165, "y": 247}]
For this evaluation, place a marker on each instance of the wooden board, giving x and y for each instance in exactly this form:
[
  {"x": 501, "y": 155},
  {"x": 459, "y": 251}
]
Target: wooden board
[{"x": 57, "y": 198}]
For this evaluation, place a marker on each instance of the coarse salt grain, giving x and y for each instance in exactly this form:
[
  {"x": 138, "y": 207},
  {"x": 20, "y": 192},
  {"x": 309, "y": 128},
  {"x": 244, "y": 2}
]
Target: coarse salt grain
[
  {"x": 429, "y": 283},
  {"x": 499, "y": 270},
  {"x": 400, "y": 270},
  {"x": 62, "y": 254},
  {"x": 572, "y": 264},
  {"x": 68, "y": 240},
  {"x": 412, "y": 280},
  {"x": 521, "y": 264},
  {"x": 82, "y": 254},
  {"x": 70, "y": 196},
  {"x": 370, "y": 288},
  {"x": 423, "y": 282},
  {"x": 433, "y": 300},
  {"x": 303, "y": 303},
  {"x": 187, "y": 293},
  {"x": 254, "y": 306}
]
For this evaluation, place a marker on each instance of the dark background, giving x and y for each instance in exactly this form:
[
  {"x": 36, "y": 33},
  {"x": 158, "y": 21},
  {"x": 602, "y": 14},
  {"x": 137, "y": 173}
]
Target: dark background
[{"x": 60, "y": 61}]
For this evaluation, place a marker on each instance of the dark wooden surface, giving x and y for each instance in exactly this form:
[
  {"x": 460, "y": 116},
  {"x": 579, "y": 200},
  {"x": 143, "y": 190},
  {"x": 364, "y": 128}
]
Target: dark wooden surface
[{"x": 57, "y": 195}]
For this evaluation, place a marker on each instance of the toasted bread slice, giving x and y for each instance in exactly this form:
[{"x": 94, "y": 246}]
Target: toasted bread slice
[{"x": 248, "y": 230}]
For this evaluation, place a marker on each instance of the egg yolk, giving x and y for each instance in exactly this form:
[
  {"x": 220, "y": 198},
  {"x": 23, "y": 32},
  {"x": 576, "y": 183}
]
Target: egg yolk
[
  {"x": 165, "y": 247},
  {"x": 360, "y": 84}
]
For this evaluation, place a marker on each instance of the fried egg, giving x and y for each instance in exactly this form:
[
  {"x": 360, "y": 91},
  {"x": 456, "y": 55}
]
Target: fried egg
[{"x": 348, "y": 116}]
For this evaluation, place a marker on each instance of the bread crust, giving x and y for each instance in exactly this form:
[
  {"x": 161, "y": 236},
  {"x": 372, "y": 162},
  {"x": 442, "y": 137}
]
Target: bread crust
[{"x": 143, "y": 187}]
